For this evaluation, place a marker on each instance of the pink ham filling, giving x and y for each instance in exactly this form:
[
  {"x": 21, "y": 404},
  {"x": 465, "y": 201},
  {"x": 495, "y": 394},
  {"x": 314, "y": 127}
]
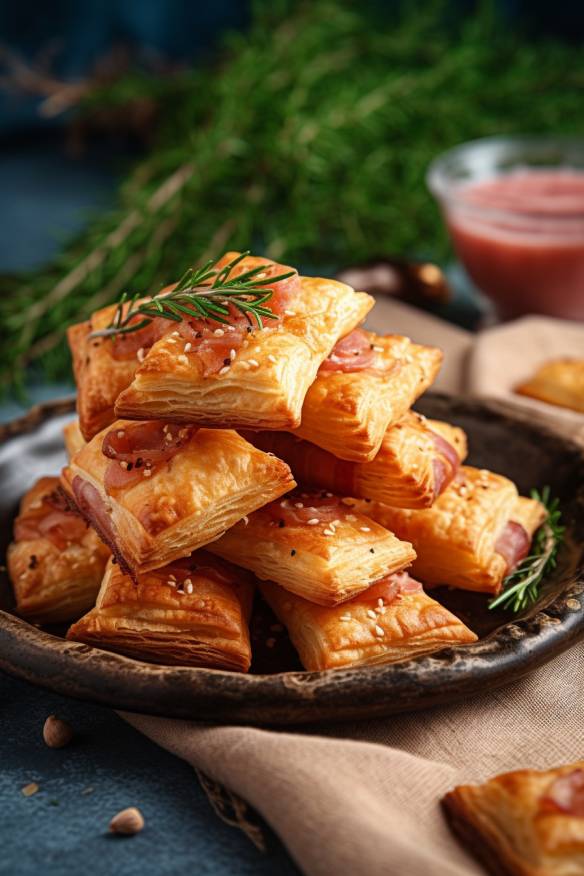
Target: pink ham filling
[
  {"x": 566, "y": 795},
  {"x": 513, "y": 544},
  {"x": 445, "y": 465}
]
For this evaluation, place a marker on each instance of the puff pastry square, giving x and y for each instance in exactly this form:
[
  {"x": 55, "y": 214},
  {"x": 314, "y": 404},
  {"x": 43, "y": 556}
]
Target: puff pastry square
[
  {"x": 194, "y": 612},
  {"x": 472, "y": 537},
  {"x": 264, "y": 374},
  {"x": 165, "y": 490},
  {"x": 347, "y": 412},
  {"x": 523, "y": 823},
  {"x": 104, "y": 368},
  {"x": 73, "y": 438},
  {"x": 313, "y": 545},
  {"x": 417, "y": 460},
  {"x": 558, "y": 382},
  {"x": 56, "y": 561},
  {"x": 391, "y": 621}
]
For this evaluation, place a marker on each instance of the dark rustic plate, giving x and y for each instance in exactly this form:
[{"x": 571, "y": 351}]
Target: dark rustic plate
[{"x": 277, "y": 691}]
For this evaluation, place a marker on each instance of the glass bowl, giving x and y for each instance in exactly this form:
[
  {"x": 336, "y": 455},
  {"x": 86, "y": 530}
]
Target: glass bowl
[{"x": 514, "y": 207}]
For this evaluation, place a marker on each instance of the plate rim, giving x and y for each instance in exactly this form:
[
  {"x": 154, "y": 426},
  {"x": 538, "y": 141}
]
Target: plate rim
[{"x": 85, "y": 672}]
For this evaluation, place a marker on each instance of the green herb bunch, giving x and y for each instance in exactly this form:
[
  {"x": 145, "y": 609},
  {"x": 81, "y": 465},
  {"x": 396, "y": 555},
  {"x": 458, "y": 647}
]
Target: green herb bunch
[
  {"x": 309, "y": 137},
  {"x": 522, "y": 587}
]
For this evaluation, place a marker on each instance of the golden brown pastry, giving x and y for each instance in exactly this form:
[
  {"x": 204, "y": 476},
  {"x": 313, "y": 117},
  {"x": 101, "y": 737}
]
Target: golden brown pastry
[
  {"x": 417, "y": 460},
  {"x": 367, "y": 384},
  {"x": 523, "y": 823},
  {"x": 74, "y": 440},
  {"x": 472, "y": 537},
  {"x": 391, "y": 621},
  {"x": 155, "y": 492},
  {"x": 238, "y": 375},
  {"x": 56, "y": 561},
  {"x": 313, "y": 545},
  {"x": 193, "y": 612},
  {"x": 104, "y": 367},
  {"x": 557, "y": 382}
]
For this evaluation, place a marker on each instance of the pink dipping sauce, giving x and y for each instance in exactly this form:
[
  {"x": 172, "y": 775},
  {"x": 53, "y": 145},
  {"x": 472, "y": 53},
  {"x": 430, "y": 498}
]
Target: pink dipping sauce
[{"x": 521, "y": 239}]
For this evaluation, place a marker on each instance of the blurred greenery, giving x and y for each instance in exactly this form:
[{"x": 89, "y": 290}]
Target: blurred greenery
[{"x": 307, "y": 140}]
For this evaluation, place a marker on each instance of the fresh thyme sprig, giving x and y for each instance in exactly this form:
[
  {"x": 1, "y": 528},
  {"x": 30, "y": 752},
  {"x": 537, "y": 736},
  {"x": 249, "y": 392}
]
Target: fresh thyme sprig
[
  {"x": 201, "y": 293},
  {"x": 521, "y": 586}
]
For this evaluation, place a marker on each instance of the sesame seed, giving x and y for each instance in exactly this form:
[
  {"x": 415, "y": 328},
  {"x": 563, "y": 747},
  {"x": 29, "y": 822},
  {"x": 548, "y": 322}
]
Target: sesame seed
[
  {"x": 272, "y": 358},
  {"x": 380, "y": 602},
  {"x": 284, "y": 503},
  {"x": 328, "y": 532},
  {"x": 378, "y": 349},
  {"x": 147, "y": 472},
  {"x": 245, "y": 520},
  {"x": 176, "y": 333},
  {"x": 254, "y": 362},
  {"x": 188, "y": 347},
  {"x": 219, "y": 332},
  {"x": 183, "y": 358},
  {"x": 189, "y": 586},
  {"x": 290, "y": 312},
  {"x": 140, "y": 355},
  {"x": 168, "y": 436},
  {"x": 313, "y": 521},
  {"x": 379, "y": 631},
  {"x": 224, "y": 370},
  {"x": 171, "y": 340},
  {"x": 230, "y": 328},
  {"x": 299, "y": 504},
  {"x": 371, "y": 614},
  {"x": 124, "y": 464},
  {"x": 345, "y": 617},
  {"x": 171, "y": 583},
  {"x": 232, "y": 354},
  {"x": 329, "y": 495},
  {"x": 336, "y": 522},
  {"x": 365, "y": 529}
]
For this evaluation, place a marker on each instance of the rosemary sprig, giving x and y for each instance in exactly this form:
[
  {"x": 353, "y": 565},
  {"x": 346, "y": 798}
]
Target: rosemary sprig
[
  {"x": 521, "y": 586},
  {"x": 201, "y": 293}
]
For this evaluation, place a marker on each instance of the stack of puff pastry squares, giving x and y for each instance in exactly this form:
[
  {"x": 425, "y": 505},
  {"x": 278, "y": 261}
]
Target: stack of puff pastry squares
[{"x": 213, "y": 458}]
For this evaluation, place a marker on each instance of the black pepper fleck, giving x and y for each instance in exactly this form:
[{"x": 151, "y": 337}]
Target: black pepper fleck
[
  {"x": 371, "y": 550},
  {"x": 292, "y": 552},
  {"x": 33, "y": 562},
  {"x": 227, "y": 361},
  {"x": 281, "y": 524}
]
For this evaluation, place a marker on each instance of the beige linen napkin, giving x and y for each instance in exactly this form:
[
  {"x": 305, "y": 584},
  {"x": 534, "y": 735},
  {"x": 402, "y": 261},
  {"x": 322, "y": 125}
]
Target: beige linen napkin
[{"x": 363, "y": 799}]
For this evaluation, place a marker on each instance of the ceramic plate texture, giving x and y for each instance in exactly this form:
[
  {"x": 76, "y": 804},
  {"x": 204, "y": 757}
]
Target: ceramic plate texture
[{"x": 277, "y": 691}]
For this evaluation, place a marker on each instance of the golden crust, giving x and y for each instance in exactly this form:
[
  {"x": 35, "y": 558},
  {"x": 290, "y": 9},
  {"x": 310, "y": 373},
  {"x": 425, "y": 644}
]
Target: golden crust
[
  {"x": 200, "y": 620},
  {"x": 514, "y": 827},
  {"x": 455, "y": 539},
  {"x": 558, "y": 382},
  {"x": 368, "y": 629},
  {"x": 170, "y": 384},
  {"x": 99, "y": 377},
  {"x": 54, "y": 583},
  {"x": 324, "y": 564},
  {"x": 349, "y": 413},
  {"x": 207, "y": 486},
  {"x": 409, "y": 471},
  {"x": 74, "y": 440}
]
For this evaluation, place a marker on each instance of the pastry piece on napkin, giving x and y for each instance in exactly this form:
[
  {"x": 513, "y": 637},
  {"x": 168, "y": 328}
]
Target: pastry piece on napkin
[
  {"x": 367, "y": 383},
  {"x": 508, "y": 355},
  {"x": 558, "y": 382},
  {"x": 194, "y": 612},
  {"x": 315, "y": 546},
  {"x": 472, "y": 537},
  {"x": 391, "y": 621},
  {"x": 155, "y": 491},
  {"x": 237, "y": 375},
  {"x": 417, "y": 460},
  {"x": 523, "y": 823},
  {"x": 56, "y": 561}
]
